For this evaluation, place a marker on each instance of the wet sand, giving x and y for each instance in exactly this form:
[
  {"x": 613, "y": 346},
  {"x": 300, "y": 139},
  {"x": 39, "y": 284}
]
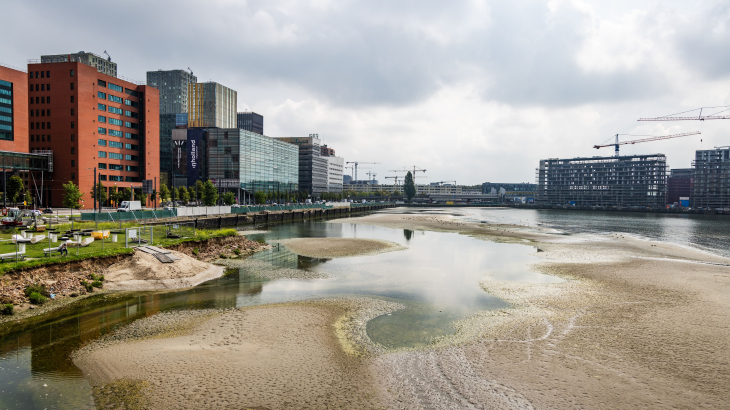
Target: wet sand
[{"x": 329, "y": 248}]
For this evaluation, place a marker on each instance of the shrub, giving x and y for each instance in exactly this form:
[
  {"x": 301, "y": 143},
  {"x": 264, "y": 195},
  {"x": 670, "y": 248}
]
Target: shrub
[
  {"x": 6, "y": 309},
  {"x": 37, "y": 299},
  {"x": 261, "y": 241},
  {"x": 89, "y": 287},
  {"x": 223, "y": 256},
  {"x": 196, "y": 251},
  {"x": 237, "y": 251},
  {"x": 99, "y": 278},
  {"x": 36, "y": 288},
  {"x": 97, "y": 284}
]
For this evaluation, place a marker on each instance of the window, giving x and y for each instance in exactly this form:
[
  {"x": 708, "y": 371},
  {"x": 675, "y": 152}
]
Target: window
[
  {"x": 127, "y": 124},
  {"x": 102, "y": 154},
  {"x": 116, "y": 178},
  {"x": 115, "y": 144},
  {"x": 48, "y": 87},
  {"x": 114, "y": 121},
  {"x": 49, "y": 138},
  {"x": 115, "y": 133},
  {"x": 131, "y": 103},
  {"x": 48, "y": 125},
  {"x": 131, "y": 157},
  {"x": 101, "y": 107},
  {"x": 115, "y": 110},
  {"x": 132, "y": 179},
  {"x": 132, "y": 168},
  {"x": 130, "y": 92},
  {"x": 48, "y": 99},
  {"x": 72, "y": 98},
  {"x": 43, "y": 87},
  {"x": 101, "y": 95},
  {"x": 73, "y": 175},
  {"x": 73, "y": 137},
  {"x": 43, "y": 138},
  {"x": 102, "y": 118},
  {"x": 133, "y": 125},
  {"x": 130, "y": 136},
  {"x": 131, "y": 146},
  {"x": 114, "y": 155},
  {"x": 73, "y": 163},
  {"x": 43, "y": 100},
  {"x": 73, "y": 149},
  {"x": 72, "y": 86},
  {"x": 101, "y": 83},
  {"x": 116, "y": 167},
  {"x": 31, "y": 113},
  {"x": 114, "y": 98},
  {"x": 102, "y": 143},
  {"x": 73, "y": 125},
  {"x": 102, "y": 131},
  {"x": 72, "y": 73},
  {"x": 32, "y": 138},
  {"x": 72, "y": 111},
  {"x": 48, "y": 74},
  {"x": 42, "y": 74},
  {"x": 115, "y": 87},
  {"x": 128, "y": 113},
  {"x": 102, "y": 165},
  {"x": 102, "y": 177}
]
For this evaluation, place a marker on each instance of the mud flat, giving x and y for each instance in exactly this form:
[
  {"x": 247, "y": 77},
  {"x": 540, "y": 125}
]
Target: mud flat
[
  {"x": 329, "y": 248},
  {"x": 305, "y": 355},
  {"x": 635, "y": 324}
]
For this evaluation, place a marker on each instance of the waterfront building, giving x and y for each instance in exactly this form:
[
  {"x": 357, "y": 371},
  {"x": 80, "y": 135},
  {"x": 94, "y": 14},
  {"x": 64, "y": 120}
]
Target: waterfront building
[
  {"x": 211, "y": 105},
  {"x": 679, "y": 185},
  {"x": 13, "y": 110},
  {"x": 497, "y": 187},
  {"x": 711, "y": 185},
  {"x": 250, "y": 121},
  {"x": 88, "y": 120},
  {"x": 335, "y": 169},
  {"x": 313, "y": 167},
  {"x": 103, "y": 65},
  {"x": 624, "y": 181},
  {"x": 327, "y": 151}
]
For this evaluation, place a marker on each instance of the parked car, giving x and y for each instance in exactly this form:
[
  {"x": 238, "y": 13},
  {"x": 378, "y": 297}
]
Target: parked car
[
  {"x": 48, "y": 211},
  {"x": 35, "y": 212}
]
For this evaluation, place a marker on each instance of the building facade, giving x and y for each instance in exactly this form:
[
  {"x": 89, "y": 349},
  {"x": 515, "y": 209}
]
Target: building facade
[
  {"x": 250, "y": 121},
  {"x": 623, "y": 181},
  {"x": 211, "y": 105},
  {"x": 335, "y": 170},
  {"x": 88, "y": 120},
  {"x": 313, "y": 167},
  {"x": 103, "y": 65},
  {"x": 497, "y": 187},
  {"x": 13, "y": 110},
  {"x": 711, "y": 185},
  {"x": 679, "y": 185}
]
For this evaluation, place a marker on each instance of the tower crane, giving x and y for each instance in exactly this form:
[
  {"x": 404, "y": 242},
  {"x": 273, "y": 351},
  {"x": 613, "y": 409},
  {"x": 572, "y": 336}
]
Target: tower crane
[
  {"x": 371, "y": 176},
  {"x": 443, "y": 182},
  {"x": 358, "y": 163},
  {"x": 395, "y": 178},
  {"x": 652, "y": 138},
  {"x": 673, "y": 117},
  {"x": 407, "y": 169}
]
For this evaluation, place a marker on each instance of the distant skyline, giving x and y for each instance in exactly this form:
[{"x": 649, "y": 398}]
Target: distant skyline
[{"x": 473, "y": 91}]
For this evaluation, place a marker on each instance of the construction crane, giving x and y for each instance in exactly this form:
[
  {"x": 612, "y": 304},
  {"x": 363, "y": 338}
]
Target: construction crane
[
  {"x": 443, "y": 182},
  {"x": 651, "y": 138},
  {"x": 673, "y": 117},
  {"x": 109, "y": 58},
  {"x": 358, "y": 163},
  {"x": 407, "y": 169},
  {"x": 371, "y": 176},
  {"x": 395, "y": 178}
]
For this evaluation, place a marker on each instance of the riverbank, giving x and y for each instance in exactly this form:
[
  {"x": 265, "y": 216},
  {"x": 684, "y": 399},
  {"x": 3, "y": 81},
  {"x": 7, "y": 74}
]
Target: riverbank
[{"x": 634, "y": 324}]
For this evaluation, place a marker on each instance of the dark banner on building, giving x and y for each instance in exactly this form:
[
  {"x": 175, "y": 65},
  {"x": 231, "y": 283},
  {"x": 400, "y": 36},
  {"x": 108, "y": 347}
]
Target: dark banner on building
[{"x": 195, "y": 139}]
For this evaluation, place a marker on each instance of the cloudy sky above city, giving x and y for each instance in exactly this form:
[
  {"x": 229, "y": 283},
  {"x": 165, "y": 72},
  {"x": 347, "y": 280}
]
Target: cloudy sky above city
[{"x": 473, "y": 91}]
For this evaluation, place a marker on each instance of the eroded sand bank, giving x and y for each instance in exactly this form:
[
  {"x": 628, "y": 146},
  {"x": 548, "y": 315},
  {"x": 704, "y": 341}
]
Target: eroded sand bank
[{"x": 329, "y": 248}]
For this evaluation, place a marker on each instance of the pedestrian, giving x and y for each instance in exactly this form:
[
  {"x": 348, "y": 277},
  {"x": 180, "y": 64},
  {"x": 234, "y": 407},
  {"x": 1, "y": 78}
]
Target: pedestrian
[{"x": 63, "y": 248}]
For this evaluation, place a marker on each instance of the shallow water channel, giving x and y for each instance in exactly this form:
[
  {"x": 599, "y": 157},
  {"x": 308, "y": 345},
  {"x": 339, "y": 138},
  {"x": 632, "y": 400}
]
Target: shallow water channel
[{"x": 436, "y": 278}]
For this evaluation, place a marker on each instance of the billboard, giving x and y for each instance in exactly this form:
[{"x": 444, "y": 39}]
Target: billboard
[{"x": 195, "y": 140}]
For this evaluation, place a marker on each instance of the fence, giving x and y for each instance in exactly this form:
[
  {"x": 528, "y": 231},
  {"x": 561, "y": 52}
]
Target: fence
[
  {"x": 203, "y": 210},
  {"x": 125, "y": 216},
  {"x": 246, "y": 209},
  {"x": 147, "y": 235}
]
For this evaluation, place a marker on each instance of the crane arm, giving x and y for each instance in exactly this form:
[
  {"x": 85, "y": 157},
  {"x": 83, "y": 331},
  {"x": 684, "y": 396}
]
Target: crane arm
[
  {"x": 700, "y": 118},
  {"x": 663, "y": 137}
]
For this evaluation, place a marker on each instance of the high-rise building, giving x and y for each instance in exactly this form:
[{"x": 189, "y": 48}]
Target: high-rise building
[
  {"x": 335, "y": 169},
  {"x": 679, "y": 184},
  {"x": 313, "y": 167},
  {"x": 711, "y": 185},
  {"x": 624, "y": 181},
  {"x": 13, "y": 110},
  {"x": 104, "y": 65},
  {"x": 211, "y": 105},
  {"x": 251, "y": 121},
  {"x": 89, "y": 120}
]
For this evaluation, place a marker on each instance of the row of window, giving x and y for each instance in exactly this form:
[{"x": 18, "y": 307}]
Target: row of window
[
  {"x": 118, "y": 178},
  {"x": 6, "y": 127},
  {"x": 114, "y": 98},
  {"x": 41, "y": 138},
  {"x": 116, "y": 155},
  {"x": 41, "y": 125},
  {"x": 46, "y": 74},
  {"x": 38, "y": 100},
  {"x": 41, "y": 113},
  {"x": 7, "y": 92},
  {"x": 5, "y": 83},
  {"x": 41, "y": 87},
  {"x": 7, "y": 119},
  {"x": 118, "y": 167},
  {"x": 5, "y": 101},
  {"x": 6, "y": 109},
  {"x": 117, "y": 144}
]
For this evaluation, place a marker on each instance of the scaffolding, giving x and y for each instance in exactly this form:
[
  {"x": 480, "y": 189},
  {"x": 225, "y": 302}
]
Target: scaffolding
[
  {"x": 622, "y": 181},
  {"x": 711, "y": 185}
]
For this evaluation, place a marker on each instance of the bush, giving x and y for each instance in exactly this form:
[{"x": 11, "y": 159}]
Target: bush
[
  {"x": 261, "y": 241},
  {"x": 97, "y": 284},
  {"x": 36, "y": 288},
  {"x": 99, "y": 278},
  {"x": 196, "y": 251},
  {"x": 89, "y": 287},
  {"x": 6, "y": 309},
  {"x": 37, "y": 299},
  {"x": 223, "y": 256},
  {"x": 237, "y": 251}
]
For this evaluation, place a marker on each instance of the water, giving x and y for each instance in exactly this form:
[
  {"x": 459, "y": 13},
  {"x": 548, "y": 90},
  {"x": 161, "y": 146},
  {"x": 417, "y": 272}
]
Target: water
[{"x": 437, "y": 279}]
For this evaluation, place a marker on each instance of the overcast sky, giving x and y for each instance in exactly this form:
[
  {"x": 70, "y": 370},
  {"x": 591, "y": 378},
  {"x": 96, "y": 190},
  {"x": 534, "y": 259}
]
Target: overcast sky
[{"x": 472, "y": 91}]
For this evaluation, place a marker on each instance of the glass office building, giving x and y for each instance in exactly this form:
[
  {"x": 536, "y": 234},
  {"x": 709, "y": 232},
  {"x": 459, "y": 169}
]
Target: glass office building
[
  {"x": 211, "y": 105},
  {"x": 173, "y": 86},
  {"x": 254, "y": 162},
  {"x": 250, "y": 121},
  {"x": 6, "y": 110}
]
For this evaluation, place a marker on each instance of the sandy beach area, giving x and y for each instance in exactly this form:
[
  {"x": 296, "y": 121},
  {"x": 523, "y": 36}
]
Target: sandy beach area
[
  {"x": 633, "y": 324},
  {"x": 328, "y": 248}
]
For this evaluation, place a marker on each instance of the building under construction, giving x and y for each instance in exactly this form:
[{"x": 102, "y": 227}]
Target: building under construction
[
  {"x": 711, "y": 186},
  {"x": 620, "y": 181}
]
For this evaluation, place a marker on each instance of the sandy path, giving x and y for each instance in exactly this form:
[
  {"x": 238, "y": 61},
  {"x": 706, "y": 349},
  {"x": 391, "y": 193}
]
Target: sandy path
[
  {"x": 339, "y": 247},
  {"x": 269, "y": 357}
]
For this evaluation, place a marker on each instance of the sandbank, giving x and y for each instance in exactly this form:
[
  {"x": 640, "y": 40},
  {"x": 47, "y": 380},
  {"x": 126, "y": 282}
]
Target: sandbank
[{"x": 329, "y": 248}]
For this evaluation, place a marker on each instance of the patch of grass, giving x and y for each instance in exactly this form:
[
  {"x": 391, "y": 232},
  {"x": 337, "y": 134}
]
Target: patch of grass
[
  {"x": 97, "y": 284},
  {"x": 196, "y": 251},
  {"x": 261, "y": 241},
  {"x": 89, "y": 286},
  {"x": 95, "y": 278},
  {"x": 237, "y": 251},
  {"x": 36, "y": 288},
  {"x": 6, "y": 309},
  {"x": 37, "y": 299}
]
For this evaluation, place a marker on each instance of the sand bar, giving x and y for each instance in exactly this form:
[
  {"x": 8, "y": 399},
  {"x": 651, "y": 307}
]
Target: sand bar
[{"x": 329, "y": 248}]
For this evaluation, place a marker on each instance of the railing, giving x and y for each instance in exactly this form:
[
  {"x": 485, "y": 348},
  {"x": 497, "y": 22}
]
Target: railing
[{"x": 13, "y": 67}]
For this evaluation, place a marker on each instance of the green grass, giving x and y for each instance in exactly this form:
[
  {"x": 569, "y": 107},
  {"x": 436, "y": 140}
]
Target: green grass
[{"x": 35, "y": 257}]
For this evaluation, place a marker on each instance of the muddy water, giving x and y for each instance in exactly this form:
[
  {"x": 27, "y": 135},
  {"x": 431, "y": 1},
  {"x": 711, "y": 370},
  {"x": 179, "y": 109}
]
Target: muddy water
[{"x": 436, "y": 278}]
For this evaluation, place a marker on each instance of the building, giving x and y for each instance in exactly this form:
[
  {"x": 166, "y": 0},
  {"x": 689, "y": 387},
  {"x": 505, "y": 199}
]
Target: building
[
  {"x": 313, "y": 167},
  {"x": 173, "y": 86},
  {"x": 88, "y": 120},
  {"x": 711, "y": 185},
  {"x": 13, "y": 110},
  {"x": 335, "y": 169},
  {"x": 623, "y": 181},
  {"x": 346, "y": 179},
  {"x": 211, "y": 105},
  {"x": 679, "y": 185},
  {"x": 103, "y": 65},
  {"x": 327, "y": 151},
  {"x": 250, "y": 121},
  {"x": 497, "y": 187}
]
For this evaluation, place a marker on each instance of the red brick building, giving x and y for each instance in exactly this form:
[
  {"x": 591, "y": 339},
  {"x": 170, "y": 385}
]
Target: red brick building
[
  {"x": 14, "y": 94},
  {"x": 92, "y": 120}
]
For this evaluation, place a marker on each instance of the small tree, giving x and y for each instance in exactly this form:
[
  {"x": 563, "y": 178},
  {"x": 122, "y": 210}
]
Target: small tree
[
  {"x": 28, "y": 199},
  {"x": 229, "y": 198},
  {"x": 409, "y": 187},
  {"x": 125, "y": 194},
  {"x": 164, "y": 193},
  {"x": 72, "y": 195},
  {"x": 99, "y": 193},
  {"x": 14, "y": 188},
  {"x": 198, "y": 190},
  {"x": 259, "y": 197},
  {"x": 210, "y": 193},
  {"x": 140, "y": 196},
  {"x": 183, "y": 195}
]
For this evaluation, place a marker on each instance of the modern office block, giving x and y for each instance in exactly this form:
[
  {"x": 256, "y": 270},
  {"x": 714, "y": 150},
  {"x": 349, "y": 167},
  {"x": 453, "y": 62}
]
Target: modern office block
[
  {"x": 13, "y": 110},
  {"x": 335, "y": 170},
  {"x": 211, "y": 105},
  {"x": 711, "y": 185},
  {"x": 313, "y": 168},
  {"x": 173, "y": 86},
  {"x": 103, "y": 65},
  {"x": 679, "y": 184},
  {"x": 624, "y": 181},
  {"x": 89, "y": 120},
  {"x": 250, "y": 121}
]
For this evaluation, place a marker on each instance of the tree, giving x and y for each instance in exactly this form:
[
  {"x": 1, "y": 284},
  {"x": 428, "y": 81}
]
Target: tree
[
  {"x": 99, "y": 193},
  {"x": 229, "y": 198},
  {"x": 409, "y": 188},
  {"x": 114, "y": 195},
  {"x": 397, "y": 193},
  {"x": 27, "y": 198},
  {"x": 198, "y": 190},
  {"x": 125, "y": 194},
  {"x": 72, "y": 195},
  {"x": 14, "y": 188},
  {"x": 164, "y": 193},
  {"x": 259, "y": 197},
  {"x": 140, "y": 196},
  {"x": 183, "y": 195},
  {"x": 210, "y": 193}
]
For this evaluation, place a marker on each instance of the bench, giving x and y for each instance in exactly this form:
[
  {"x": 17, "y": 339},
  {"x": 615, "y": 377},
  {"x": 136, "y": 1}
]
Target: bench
[
  {"x": 47, "y": 251},
  {"x": 6, "y": 256}
]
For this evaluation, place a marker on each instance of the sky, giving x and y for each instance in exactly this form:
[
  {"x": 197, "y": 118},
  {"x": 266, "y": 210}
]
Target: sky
[{"x": 471, "y": 91}]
